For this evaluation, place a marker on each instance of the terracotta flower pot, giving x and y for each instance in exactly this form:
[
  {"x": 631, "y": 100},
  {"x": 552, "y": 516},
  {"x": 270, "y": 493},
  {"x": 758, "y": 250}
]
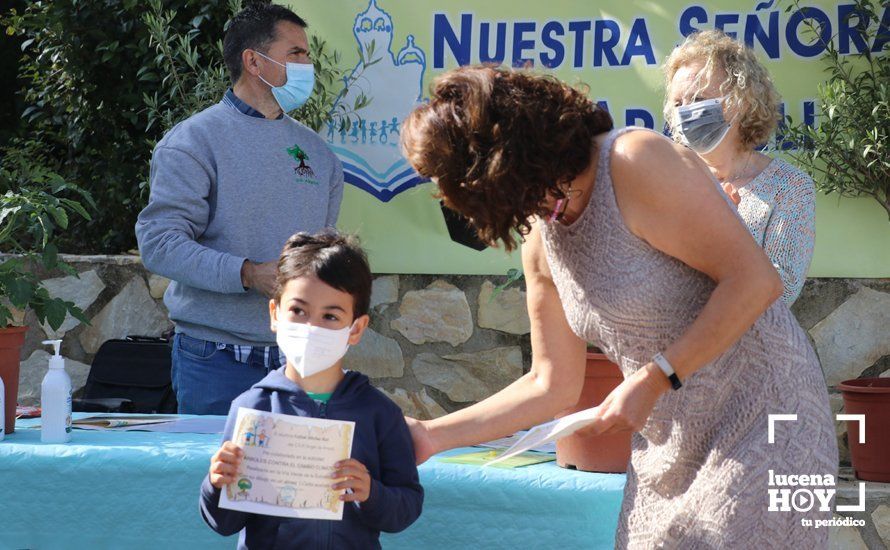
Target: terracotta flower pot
[
  {"x": 870, "y": 397},
  {"x": 595, "y": 453},
  {"x": 11, "y": 340}
]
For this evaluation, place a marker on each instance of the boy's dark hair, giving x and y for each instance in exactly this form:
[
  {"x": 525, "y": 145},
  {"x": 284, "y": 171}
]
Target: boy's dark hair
[
  {"x": 253, "y": 28},
  {"x": 338, "y": 260}
]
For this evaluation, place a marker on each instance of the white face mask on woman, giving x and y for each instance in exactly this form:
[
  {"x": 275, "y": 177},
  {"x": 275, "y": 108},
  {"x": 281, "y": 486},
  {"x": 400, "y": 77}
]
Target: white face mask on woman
[{"x": 311, "y": 349}]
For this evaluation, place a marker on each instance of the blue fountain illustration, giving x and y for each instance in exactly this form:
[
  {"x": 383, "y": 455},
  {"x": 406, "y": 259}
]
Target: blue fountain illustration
[{"x": 369, "y": 149}]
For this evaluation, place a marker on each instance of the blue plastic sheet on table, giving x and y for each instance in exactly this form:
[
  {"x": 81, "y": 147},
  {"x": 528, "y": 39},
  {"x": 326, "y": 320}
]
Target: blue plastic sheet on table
[{"x": 140, "y": 490}]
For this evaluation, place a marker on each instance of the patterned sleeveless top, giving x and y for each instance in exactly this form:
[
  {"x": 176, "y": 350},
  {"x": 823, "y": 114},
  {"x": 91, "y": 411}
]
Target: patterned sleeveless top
[{"x": 698, "y": 476}]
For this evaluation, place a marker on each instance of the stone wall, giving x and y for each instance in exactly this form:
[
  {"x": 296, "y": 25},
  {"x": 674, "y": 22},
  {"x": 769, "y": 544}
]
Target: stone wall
[
  {"x": 435, "y": 344},
  {"x": 439, "y": 343}
]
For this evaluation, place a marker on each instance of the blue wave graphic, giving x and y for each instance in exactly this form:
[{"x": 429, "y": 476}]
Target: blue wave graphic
[
  {"x": 383, "y": 195},
  {"x": 343, "y": 152},
  {"x": 355, "y": 170}
]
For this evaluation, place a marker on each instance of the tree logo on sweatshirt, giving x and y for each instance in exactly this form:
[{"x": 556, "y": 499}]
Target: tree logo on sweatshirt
[{"x": 303, "y": 170}]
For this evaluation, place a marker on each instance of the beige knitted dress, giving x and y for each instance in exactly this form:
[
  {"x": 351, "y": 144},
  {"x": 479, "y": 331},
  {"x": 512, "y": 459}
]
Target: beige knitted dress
[{"x": 699, "y": 471}]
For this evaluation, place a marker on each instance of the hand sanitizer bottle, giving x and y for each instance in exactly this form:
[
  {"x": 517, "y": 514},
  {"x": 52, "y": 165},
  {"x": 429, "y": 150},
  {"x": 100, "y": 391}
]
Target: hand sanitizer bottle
[{"x": 55, "y": 400}]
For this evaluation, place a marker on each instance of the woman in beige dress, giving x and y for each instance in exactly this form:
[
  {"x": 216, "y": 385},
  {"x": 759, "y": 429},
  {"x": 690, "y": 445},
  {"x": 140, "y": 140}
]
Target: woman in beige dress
[{"x": 665, "y": 283}]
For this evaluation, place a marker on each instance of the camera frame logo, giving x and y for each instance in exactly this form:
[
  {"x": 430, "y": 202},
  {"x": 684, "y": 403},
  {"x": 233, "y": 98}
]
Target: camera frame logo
[{"x": 804, "y": 492}]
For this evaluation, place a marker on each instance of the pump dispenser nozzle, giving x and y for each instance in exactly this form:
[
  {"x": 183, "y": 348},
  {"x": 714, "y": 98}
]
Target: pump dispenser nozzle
[{"x": 56, "y": 361}]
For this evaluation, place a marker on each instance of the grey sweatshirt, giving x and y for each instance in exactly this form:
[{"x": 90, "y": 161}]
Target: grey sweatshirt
[{"x": 226, "y": 187}]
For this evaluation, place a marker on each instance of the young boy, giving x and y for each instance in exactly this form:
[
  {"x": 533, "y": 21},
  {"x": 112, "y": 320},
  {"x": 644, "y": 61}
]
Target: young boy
[{"x": 320, "y": 307}]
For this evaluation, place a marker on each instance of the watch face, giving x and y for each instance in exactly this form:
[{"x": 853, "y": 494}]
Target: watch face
[{"x": 675, "y": 381}]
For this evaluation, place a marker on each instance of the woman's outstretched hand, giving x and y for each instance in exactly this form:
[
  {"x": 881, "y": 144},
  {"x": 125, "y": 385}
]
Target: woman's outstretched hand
[
  {"x": 423, "y": 443},
  {"x": 627, "y": 407}
]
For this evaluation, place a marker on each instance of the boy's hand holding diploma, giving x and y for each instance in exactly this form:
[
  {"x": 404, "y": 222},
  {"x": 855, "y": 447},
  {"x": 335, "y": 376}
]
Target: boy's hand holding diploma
[
  {"x": 224, "y": 464},
  {"x": 356, "y": 477}
]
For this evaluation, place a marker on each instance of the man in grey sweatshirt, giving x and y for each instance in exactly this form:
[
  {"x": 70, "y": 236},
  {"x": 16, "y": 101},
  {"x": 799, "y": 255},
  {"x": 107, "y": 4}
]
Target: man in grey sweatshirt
[{"x": 228, "y": 187}]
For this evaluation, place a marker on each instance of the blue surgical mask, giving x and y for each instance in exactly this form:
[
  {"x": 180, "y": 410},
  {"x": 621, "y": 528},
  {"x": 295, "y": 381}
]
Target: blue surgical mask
[
  {"x": 701, "y": 125},
  {"x": 298, "y": 87}
]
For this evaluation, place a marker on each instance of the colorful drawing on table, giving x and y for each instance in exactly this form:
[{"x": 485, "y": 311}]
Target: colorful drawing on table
[
  {"x": 510, "y": 440},
  {"x": 123, "y": 422},
  {"x": 483, "y": 458},
  {"x": 287, "y": 465}
]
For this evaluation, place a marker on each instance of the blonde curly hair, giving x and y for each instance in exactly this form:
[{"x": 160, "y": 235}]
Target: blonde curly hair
[{"x": 747, "y": 85}]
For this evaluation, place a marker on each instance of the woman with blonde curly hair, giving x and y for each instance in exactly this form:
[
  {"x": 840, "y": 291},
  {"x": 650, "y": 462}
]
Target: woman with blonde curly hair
[
  {"x": 670, "y": 286},
  {"x": 721, "y": 102}
]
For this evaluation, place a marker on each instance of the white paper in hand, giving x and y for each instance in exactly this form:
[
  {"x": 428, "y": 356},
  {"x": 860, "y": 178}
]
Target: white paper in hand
[{"x": 550, "y": 431}]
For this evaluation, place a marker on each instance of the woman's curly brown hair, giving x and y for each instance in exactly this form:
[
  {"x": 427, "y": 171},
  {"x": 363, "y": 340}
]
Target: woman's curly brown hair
[{"x": 498, "y": 142}]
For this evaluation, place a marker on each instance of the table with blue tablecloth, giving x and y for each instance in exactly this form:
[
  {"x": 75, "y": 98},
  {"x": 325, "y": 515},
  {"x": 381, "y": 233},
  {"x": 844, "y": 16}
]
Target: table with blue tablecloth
[{"x": 140, "y": 490}]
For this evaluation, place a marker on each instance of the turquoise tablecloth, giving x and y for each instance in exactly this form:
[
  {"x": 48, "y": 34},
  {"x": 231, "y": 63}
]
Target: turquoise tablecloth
[{"x": 139, "y": 490}]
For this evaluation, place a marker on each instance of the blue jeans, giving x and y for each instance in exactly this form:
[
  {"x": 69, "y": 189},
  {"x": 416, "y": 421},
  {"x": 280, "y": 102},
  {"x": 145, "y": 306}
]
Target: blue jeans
[{"x": 206, "y": 376}]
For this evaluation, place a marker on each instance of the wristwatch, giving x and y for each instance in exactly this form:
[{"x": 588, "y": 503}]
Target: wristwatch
[{"x": 668, "y": 370}]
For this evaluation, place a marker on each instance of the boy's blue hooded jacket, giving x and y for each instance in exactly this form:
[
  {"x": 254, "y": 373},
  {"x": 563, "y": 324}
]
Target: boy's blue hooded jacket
[{"x": 381, "y": 442}]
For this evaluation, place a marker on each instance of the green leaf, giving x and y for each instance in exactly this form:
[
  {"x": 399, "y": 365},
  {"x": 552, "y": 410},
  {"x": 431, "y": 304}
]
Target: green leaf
[
  {"x": 60, "y": 216},
  {"x": 50, "y": 256},
  {"x": 7, "y": 211},
  {"x": 5, "y": 315},
  {"x": 55, "y": 311},
  {"x": 513, "y": 275},
  {"x": 46, "y": 228},
  {"x": 57, "y": 182},
  {"x": 20, "y": 291},
  {"x": 78, "y": 314},
  {"x": 10, "y": 265}
]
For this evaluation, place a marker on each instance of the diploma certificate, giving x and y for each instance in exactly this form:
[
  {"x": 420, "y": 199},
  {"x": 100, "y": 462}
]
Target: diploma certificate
[{"x": 287, "y": 465}]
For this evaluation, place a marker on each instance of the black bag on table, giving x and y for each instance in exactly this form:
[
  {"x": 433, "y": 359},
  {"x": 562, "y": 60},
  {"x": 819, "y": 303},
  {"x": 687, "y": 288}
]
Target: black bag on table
[{"x": 130, "y": 376}]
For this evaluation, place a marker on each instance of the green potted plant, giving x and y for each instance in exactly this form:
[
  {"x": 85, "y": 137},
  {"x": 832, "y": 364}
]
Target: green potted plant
[
  {"x": 848, "y": 151},
  {"x": 32, "y": 209}
]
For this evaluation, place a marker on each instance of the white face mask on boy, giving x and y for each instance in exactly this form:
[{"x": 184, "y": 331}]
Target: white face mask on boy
[{"x": 311, "y": 349}]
